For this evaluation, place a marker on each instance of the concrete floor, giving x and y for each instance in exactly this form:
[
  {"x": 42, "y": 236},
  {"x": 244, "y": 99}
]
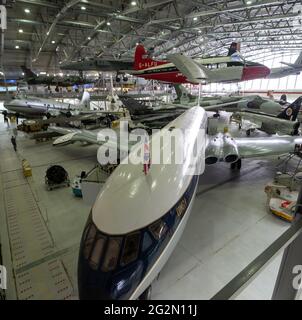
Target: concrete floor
[{"x": 228, "y": 227}]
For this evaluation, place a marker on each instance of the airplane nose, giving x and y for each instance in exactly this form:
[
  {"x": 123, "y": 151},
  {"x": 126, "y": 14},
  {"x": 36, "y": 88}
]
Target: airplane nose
[{"x": 98, "y": 285}]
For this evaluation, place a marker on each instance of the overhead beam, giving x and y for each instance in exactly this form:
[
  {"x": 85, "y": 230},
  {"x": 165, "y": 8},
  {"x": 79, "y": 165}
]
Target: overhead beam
[{"x": 59, "y": 16}]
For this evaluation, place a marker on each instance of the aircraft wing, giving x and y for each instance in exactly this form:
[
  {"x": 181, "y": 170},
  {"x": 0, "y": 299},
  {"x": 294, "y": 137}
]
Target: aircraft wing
[
  {"x": 266, "y": 146},
  {"x": 213, "y": 107},
  {"x": 223, "y": 105},
  {"x": 194, "y": 72},
  {"x": 98, "y": 138}
]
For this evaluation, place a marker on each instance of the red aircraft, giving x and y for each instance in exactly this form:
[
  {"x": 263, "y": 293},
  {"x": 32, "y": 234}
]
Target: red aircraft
[{"x": 182, "y": 69}]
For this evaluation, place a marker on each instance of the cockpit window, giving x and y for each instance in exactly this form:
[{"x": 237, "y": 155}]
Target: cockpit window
[
  {"x": 97, "y": 252},
  {"x": 112, "y": 254},
  {"x": 158, "y": 229},
  {"x": 147, "y": 241},
  {"x": 89, "y": 240},
  {"x": 131, "y": 248}
]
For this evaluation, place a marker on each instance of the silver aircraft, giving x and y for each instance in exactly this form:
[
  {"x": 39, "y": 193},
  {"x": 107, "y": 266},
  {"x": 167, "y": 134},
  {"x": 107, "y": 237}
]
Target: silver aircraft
[
  {"x": 30, "y": 106},
  {"x": 126, "y": 243},
  {"x": 290, "y": 69}
]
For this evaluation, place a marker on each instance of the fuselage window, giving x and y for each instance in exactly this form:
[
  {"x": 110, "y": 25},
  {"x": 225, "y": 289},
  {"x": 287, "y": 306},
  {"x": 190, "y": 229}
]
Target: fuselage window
[
  {"x": 112, "y": 254},
  {"x": 97, "y": 252},
  {"x": 158, "y": 229},
  {"x": 89, "y": 241},
  {"x": 131, "y": 248},
  {"x": 181, "y": 208}
]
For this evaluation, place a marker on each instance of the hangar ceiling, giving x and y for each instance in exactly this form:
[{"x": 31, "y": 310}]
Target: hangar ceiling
[{"x": 43, "y": 33}]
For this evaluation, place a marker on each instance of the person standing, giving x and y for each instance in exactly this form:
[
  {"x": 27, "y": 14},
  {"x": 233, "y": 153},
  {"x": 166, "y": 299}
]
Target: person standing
[
  {"x": 6, "y": 120},
  {"x": 14, "y": 143}
]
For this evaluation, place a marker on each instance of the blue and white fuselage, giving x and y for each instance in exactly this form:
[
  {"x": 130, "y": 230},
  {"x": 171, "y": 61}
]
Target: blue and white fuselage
[{"x": 137, "y": 219}]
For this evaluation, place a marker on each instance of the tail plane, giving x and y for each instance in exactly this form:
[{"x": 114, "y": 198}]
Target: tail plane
[
  {"x": 85, "y": 100},
  {"x": 234, "y": 47},
  {"x": 296, "y": 64}
]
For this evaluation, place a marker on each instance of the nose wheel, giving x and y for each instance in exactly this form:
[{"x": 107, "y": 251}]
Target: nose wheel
[{"x": 146, "y": 295}]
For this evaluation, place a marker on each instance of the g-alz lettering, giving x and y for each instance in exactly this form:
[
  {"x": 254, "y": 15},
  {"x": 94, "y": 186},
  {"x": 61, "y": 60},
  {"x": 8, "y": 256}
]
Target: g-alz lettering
[{"x": 148, "y": 64}]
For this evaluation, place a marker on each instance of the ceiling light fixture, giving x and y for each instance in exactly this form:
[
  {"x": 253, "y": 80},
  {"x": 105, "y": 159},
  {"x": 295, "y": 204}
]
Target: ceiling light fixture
[
  {"x": 20, "y": 30},
  {"x": 83, "y": 8},
  {"x": 108, "y": 23},
  {"x": 26, "y": 10},
  {"x": 17, "y": 47},
  {"x": 133, "y": 3},
  {"x": 195, "y": 18}
]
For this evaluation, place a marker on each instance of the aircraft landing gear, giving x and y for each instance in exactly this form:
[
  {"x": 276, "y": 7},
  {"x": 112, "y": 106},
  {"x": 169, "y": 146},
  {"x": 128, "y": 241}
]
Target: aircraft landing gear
[
  {"x": 248, "y": 132},
  {"x": 125, "y": 79},
  {"x": 48, "y": 115},
  {"x": 236, "y": 165},
  {"x": 117, "y": 79},
  {"x": 146, "y": 295}
]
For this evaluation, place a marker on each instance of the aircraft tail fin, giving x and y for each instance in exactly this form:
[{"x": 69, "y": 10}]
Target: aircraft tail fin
[
  {"x": 28, "y": 72},
  {"x": 234, "y": 47},
  {"x": 292, "y": 111},
  {"x": 85, "y": 100},
  {"x": 114, "y": 101},
  {"x": 142, "y": 60},
  {"x": 296, "y": 64},
  {"x": 183, "y": 94},
  {"x": 299, "y": 59}
]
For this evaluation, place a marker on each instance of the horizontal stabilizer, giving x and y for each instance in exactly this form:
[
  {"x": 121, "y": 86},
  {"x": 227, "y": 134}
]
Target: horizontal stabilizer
[
  {"x": 292, "y": 65},
  {"x": 194, "y": 72}
]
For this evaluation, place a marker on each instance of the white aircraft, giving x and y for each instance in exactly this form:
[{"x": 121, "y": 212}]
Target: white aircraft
[
  {"x": 29, "y": 106},
  {"x": 291, "y": 69},
  {"x": 126, "y": 243}
]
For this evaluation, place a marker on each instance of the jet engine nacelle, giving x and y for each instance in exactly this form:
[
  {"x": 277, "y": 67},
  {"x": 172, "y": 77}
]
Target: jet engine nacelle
[
  {"x": 213, "y": 150},
  {"x": 221, "y": 148},
  {"x": 230, "y": 149}
]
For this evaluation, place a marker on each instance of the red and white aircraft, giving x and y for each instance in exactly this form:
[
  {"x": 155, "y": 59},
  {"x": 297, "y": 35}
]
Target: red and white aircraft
[{"x": 182, "y": 69}]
